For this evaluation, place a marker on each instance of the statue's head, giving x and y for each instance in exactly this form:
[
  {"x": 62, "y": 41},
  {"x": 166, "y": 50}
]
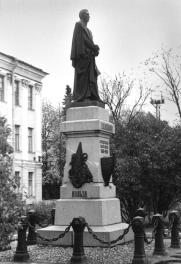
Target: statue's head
[{"x": 84, "y": 15}]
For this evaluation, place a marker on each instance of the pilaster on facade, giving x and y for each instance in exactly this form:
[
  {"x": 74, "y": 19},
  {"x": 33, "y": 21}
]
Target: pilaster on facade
[{"x": 20, "y": 103}]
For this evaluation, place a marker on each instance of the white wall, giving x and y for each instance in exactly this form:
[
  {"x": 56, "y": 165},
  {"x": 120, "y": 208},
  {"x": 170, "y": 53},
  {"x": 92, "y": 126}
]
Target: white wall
[{"x": 24, "y": 162}]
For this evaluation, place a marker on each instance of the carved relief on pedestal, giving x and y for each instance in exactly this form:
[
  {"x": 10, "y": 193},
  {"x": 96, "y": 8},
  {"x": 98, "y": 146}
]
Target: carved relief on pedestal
[{"x": 79, "y": 172}]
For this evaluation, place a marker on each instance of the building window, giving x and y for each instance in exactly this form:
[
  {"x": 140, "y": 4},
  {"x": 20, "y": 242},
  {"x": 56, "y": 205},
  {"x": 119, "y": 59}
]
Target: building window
[
  {"x": 30, "y": 97},
  {"x": 17, "y": 138},
  {"x": 30, "y": 139},
  {"x": 16, "y": 92},
  {"x": 30, "y": 183},
  {"x": 1, "y": 88},
  {"x": 17, "y": 178}
]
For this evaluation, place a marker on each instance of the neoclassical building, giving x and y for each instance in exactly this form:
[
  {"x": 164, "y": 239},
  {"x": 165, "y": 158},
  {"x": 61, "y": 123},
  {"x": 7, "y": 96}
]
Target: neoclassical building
[{"x": 20, "y": 103}]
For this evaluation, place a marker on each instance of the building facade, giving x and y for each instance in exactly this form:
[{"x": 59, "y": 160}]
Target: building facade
[{"x": 20, "y": 103}]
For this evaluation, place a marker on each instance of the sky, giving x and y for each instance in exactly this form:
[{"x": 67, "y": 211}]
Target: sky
[{"x": 127, "y": 32}]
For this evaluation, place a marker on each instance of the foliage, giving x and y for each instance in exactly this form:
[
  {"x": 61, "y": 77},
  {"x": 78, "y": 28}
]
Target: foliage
[
  {"x": 117, "y": 92},
  {"x": 148, "y": 168},
  {"x": 67, "y": 100},
  {"x": 43, "y": 210},
  {"x": 11, "y": 204},
  {"x": 53, "y": 147},
  {"x": 51, "y": 191}
]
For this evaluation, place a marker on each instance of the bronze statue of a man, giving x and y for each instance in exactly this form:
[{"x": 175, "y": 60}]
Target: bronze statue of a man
[{"x": 83, "y": 55}]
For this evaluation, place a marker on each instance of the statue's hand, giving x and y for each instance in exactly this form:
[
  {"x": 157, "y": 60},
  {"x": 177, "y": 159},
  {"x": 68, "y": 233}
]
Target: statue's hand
[
  {"x": 96, "y": 47},
  {"x": 96, "y": 50},
  {"x": 96, "y": 53}
]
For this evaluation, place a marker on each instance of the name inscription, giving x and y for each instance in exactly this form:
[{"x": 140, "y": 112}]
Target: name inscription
[{"x": 79, "y": 194}]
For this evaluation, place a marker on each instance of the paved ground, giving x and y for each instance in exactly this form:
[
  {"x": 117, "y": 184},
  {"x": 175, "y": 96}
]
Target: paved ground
[{"x": 60, "y": 255}]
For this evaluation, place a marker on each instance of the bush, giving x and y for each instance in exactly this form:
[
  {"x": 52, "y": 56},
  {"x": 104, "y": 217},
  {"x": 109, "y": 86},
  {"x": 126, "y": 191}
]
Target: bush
[
  {"x": 43, "y": 210},
  {"x": 51, "y": 191},
  {"x": 11, "y": 204}
]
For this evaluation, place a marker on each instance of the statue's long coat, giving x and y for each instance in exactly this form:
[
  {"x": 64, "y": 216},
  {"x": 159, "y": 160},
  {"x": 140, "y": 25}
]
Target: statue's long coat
[{"x": 83, "y": 60}]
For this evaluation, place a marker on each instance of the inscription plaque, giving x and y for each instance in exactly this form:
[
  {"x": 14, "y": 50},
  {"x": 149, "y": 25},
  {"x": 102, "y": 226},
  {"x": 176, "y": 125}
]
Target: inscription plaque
[
  {"x": 79, "y": 194},
  {"x": 104, "y": 146}
]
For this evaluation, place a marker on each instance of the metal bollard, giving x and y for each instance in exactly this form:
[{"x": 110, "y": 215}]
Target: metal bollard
[
  {"x": 175, "y": 240},
  {"x": 31, "y": 239},
  {"x": 53, "y": 216},
  {"x": 78, "y": 225},
  {"x": 139, "y": 250},
  {"x": 21, "y": 253},
  {"x": 159, "y": 231},
  {"x": 141, "y": 212}
]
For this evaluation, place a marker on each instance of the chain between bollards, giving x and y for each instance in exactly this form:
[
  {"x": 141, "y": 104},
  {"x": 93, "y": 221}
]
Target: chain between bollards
[
  {"x": 79, "y": 224},
  {"x": 67, "y": 229},
  {"x": 109, "y": 243}
]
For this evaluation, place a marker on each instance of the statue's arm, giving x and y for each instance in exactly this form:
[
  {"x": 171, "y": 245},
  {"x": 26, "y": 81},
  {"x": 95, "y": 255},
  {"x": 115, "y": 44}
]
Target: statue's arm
[
  {"x": 89, "y": 41},
  {"x": 92, "y": 46}
]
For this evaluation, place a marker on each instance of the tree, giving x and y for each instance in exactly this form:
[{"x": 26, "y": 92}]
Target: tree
[
  {"x": 148, "y": 168},
  {"x": 67, "y": 100},
  {"x": 11, "y": 204},
  {"x": 53, "y": 145},
  {"x": 117, "y": 92},
  {"x": 167, "y": 67},
  {"x": 53, "y": 151}
]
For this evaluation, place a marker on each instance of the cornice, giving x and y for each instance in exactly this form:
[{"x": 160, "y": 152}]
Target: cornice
[{"x": 21, "y": 68}]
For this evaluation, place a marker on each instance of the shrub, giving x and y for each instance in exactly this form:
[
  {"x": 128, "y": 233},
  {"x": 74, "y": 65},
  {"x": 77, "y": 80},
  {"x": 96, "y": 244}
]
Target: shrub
[
  {"x": 43, "y": 210},
  {"x": 11, "y": 204}
]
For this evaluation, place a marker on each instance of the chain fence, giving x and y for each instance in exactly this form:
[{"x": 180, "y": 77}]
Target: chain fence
[
  {"x": 108, "y": 243},
  {"x": 67, "y": 229}
]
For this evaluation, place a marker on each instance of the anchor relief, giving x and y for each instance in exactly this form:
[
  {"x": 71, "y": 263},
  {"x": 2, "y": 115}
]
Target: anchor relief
[{"x": 79, "y": 172}]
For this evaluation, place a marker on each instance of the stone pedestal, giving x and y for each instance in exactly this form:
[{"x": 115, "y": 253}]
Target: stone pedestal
[{"x": 94, "y": 201}]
